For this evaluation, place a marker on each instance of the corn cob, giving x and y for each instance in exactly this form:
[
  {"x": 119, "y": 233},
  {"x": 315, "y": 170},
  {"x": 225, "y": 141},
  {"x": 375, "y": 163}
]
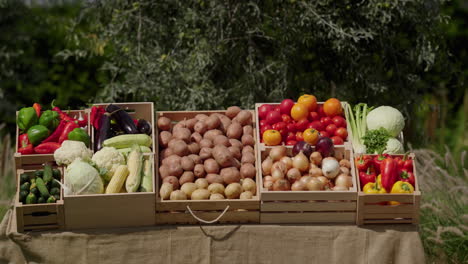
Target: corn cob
[{"x": 118, "y": 179}]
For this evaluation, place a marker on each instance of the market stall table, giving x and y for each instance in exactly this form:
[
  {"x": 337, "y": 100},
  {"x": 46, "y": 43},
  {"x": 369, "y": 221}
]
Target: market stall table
[{"x": 216, "y": 244}]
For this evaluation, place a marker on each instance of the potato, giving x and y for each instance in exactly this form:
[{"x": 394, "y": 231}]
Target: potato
[
  {"x": 196, "y": 137},
  {"x": 211, "y": 134},
  {"x": 236, "y": 163},
  {"x": 235, "y": 151},
  {"x": 247, "y": 130},
  {"x": 206, "y": 143},
  {"x": 180, "y": 124},
  {"x": 234, "y": 130},
  {"x": 182, "y": 133},
  {"x": 180, "y": 148},
  {"x": 221, "y": 140},
  {"x": 230, "y": 175},
  {"x": 178, "y": 195},
  {"x": 244, "y": 117},
  {"x": 211, "y": 166},
  {"x": 216, "y": 188},
  {"x": 188, "y": 188},
  {"x": 225, "y": 123},
  {"x": 187, "y": 176},
  {"x": 236, "y": 143},
  {"x": 247, "y": 170},
  {"x": 164, "y": 123},
  {"x": 172, "y": 159},
  {"x": 165, "y": 153},
  {"x": 193, "y": 148},
  {"x": 164, "y": 138},
  {"x": 199, "y": 171},
  {"x": 232, "y": 111},
  {"x": 248, "y": 158},
  {"x": 217, "y": 196},
  {"x": 196, "y": 159},
  {"x": 247, "y": 148},
  {"x": 206, "y": 153},
  {"x": 166, "y": 190},
  {"x": 233, "y": 191},
  {"x": 246, "y": 195},
  {"x": 201, "y": 183},
  {"x": 247, "y": 140},
  {"x": 175, "y": 169},
  {"x": 172, "y": 180},
  {"x": 214, "y": 178},
  {"x": 222, "y": 155},
  {"x": 200, "y": 127},
  {"x": 190, "y": 123},
  {"x": 249, "y": 185},
  {"x": 212, "y": 122},
  {"x": 164, "y": 171},
  {"x": 187, "y": 164},
  {"x": 200, "y": 194},
  {"x": 201, "y": 117}
]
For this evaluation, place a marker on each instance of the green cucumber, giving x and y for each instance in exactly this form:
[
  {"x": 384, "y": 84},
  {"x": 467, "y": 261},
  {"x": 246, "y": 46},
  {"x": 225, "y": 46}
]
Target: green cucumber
[
  {"x": 42, "y": 188},
  {"x": 56, "y": 174},
  {"x": 54, "y": 191},
  {"x": 39, "y": 173},
  {"x": 25, "y": 186},
  {"x": 23, "y": 195},
  {"x": 47, "y": 173},
  {"x": 57, "y": 197},
  {"x": 41, "y": 200},
  {"x": 55, "y": 184},
  {"x": 34, "y": 190},
  {"x": 51, "y": 199},
  {"x": 31, "y": 198},
  {"x": 24, "y": 178}
]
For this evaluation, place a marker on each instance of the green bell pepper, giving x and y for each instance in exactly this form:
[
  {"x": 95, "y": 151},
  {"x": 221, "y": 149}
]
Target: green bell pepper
[
  {"x": 79, "y": 134},
  {"x": 49, "y": 119},
  {"x": 27, "y": 118},
  {"x": 37, "y": 133}
]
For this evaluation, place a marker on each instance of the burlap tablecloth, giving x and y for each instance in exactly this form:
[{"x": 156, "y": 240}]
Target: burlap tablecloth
[{"x": 216, "y": 244}]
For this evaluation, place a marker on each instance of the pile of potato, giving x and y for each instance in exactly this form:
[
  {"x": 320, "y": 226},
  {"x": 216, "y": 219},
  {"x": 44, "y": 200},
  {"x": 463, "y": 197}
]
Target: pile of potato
[{"x": 208, "y": 157}]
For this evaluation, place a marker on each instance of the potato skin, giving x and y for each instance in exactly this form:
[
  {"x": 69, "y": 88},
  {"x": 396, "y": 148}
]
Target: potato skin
[
  {"x": 199, "y": 171},
  {"x": 233, "y": 191},
  {"x": 211, "y": 166},
  {"x": 234, "y": 131},
  {"x": 164, "y": 138},
  {"x": 222, "y": 155},
  {"x": 187, "y": 176},
  {"x": 232, "y": 111},
  {"x": 247, "y": 170},
  {"x": 164, "y": 123},
  {"x": 244, "y": 117},
  {"x": 214, "y": 178},
  {"x": 212, "y": 122},
  {"x": 230, "y": 175}
]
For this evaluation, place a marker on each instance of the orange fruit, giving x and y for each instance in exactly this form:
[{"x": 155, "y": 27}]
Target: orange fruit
[
  {"x": 311, "y": 136},
  {"x": 332, "y": 107},
  {"x": 271, "y": 137},
  {"x": 299, "y": 111},
  {"x": 309, "y": 100}
]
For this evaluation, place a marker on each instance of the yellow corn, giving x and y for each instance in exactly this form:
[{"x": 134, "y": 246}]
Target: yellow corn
[
  {"x": 135, "y": 166},
  {"x": 118, "y": 179}
]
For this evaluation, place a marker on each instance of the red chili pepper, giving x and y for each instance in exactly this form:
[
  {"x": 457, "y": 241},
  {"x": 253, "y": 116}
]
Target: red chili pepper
[
  {"x": 37, "y": 107},
  {"x": 67, "y": 129},
  {"x": 389, "y": 172},
  {"x": 47, "y": 148},
  {"x": 408, "y": 165},
  {"x": 407, "y": 176},
  {"x": 23, "y": 140},
  {"x": 84, "y": 122},
  {"x": 363, "y": 162},
  {"x": 366, "y": 177},
  {"x": 54, "y": 137},
  {"x": 135, "y": 121},
  {"x": 28, "y": 149},
  {"x": 377, "y": 161},
  {"x": 96, "y": 114}
]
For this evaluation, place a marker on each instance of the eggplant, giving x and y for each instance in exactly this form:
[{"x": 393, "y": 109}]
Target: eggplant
[
  {"x": 144, "y": 127},
  {"x": 123, "y": 119},
  {"x": 104, "y": 131}
]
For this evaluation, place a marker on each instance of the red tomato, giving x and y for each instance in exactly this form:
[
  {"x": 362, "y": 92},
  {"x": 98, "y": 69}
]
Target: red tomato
[
  {"x": 316, "y": 125},
  {"x": 291, "y": 142},
  {"x": 301, "y": 125},
  {"x": 286, "y": 118},
  {"x": 263, "y": 122},
  {"x": 326, "y": 121},
  {"x": 339, "y": 121},
  {"x": 281, "y": 127},
  {"x": 263, "y": 110},
  {"x": 324, "y": 134},
  {"x": 320, "y": 111},
  {"x": 291, "y": 136},
  {"x": 331, "y": 129},
  {"x": 299, "y": 136},
  {"x": 273, "y": 117},
  {"x": 342, "y": 133},
  {"x": 313, "y": 116},
  {"x": 265, "y": 128},
  {"x": 291, "y": 127},
  {"x": 337, "y": 140},
  {"x": 277, "y": 109},
  {"x": 286, "y": 105}
]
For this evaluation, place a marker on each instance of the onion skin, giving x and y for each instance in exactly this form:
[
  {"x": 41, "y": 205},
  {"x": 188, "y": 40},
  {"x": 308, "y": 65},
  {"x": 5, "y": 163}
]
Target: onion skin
[
  {"x": 316, "y": 158},
  {"x": 277, "y": 174},
  {"x": 305, "y": 179},
  {"x": 344, "y": 170},
  {"x": 314, "y": 185},
  {"x": 293, "y": 175},
  {"x": 301, "y": 162},
  {"x": 345, "y": 163},
  {"x": 287, "y": 161},
  {"x": 281, "y": 185},
  {"x": 344, "y": 181},
  {"x": 298, "y": 186},
  {"x": 330, "y": 167},
  {"x": 303, "y": 147},
  {"x": 276, "y": 153},
  {"x": 325, "y": 147},
  {"x": 268, "y": 185},
  {"x": 266, "y": 166}
]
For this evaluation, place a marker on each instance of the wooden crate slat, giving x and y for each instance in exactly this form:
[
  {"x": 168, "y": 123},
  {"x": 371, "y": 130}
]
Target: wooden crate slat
[
  {"x": 40, "y": 220},
  {"x": 307, "y": 195},
  {"x": 308, "y": 217},
  {"x": 308, "y": 206},
  {"x": 206, "y": 205},
  {"x": 228, "y": 217},
  {"x": 370, "y": 216},
  {"x": 375, "y": 209},
  {"x": 389, "y": 221},
  {"x": 376, "y": 198}
]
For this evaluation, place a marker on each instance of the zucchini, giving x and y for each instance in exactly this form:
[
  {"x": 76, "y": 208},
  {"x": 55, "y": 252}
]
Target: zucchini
[
  {"x": 135, "y": 165},
  {"x": 41, "y": 200},
  {"x": 31, "y": 198},
  {"x": 24, "y": 178},
  {"x": 47, "y": 173},
  {"x": 126, "y": 141},
  {"x": 147, "y": 178},
  {"x": 42, "y": 188},
  {"x": 56, "y": 174},
  {"x": 25, "y": 186},
  {"x": 125, "y": 151}
]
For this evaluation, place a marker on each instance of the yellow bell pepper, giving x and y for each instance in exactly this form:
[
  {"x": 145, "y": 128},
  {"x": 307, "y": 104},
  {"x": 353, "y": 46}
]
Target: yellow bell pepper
[
  {"x": 401, "y": 187},
  {"x": 374, "y": 187}
]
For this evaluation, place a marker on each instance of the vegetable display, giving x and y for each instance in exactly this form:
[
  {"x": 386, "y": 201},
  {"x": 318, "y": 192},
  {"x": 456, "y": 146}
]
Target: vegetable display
[
  {"x": 40, "y": 186},
  {"x": 208, "y": 157}
]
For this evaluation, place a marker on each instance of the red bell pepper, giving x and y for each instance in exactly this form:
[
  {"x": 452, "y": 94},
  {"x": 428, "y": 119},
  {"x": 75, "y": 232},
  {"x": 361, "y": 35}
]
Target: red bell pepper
[
  {"x": 408, "y": 165},
  {"x": 69, "y": 126},
  {"x": 407, "y": 176},
  {"x": 54, "y": 137},
  {"x": 363, "y": 162},
  {"x": 389, "y": 172},
  {"x": 366, "y": 177},
  {"x": 37, "y": 107},
  {"x": 47, "y": 148},
  {"x": 377, "y": 161},
  {"x": 24, "y": 146},
  {"x": 96, "y": 114},
  {"x": 28, "y": 149},
  {"x": 64, "y": 116}
]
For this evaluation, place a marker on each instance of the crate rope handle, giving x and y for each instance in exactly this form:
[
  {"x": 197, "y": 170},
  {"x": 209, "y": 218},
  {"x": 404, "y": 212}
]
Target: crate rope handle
[{"x": 205, "y": 221}]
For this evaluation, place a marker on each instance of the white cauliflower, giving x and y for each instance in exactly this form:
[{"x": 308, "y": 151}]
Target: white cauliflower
[
  {"x": 107, "y": 160},
  {"x": 394, "y": 146},
  {"x": 71, "y": 150}
]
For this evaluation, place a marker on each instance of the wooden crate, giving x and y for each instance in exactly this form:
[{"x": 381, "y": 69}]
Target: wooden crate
[
  {"x": 33, "y": 160},
  {"x": 187, "y": 211},
  {"x": 110, "y": 210},
  {"x": 257, "y": 121},
  {"x": 38, "y": 217},
  {"x": 143, "y": 110},
  {"x": 407, "y": 212},
  {"x": 278, "y": 207}
]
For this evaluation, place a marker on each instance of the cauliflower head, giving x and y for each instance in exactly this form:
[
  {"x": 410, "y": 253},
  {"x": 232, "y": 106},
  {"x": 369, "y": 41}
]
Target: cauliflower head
[
  {"x": 394, "y": 146},
  {"x": 107, "y": 160},
  {"x": 71, "y": 150}
]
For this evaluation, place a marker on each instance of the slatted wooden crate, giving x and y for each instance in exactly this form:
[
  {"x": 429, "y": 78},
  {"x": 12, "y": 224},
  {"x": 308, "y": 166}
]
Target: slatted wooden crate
[
  {"x": 203, "y": 211},
  {"x": 279, "y": 207},
  {"x": 370, "y": 211},
  {"x": 38, "y": 217},
  {"x": 33, "y": 160}
]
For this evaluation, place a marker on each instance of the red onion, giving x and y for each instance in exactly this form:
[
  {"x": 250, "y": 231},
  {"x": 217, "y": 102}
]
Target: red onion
[
  {"x": 325, "y": 147},
  {"x": 302, "y": 146}
]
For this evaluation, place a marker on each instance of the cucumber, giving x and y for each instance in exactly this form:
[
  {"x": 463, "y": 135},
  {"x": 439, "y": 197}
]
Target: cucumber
[
  {"x": 39, "y": 173},
  {"x": 31, "y": 198},
  {"x": 34, "y": 190},
  {"x": 47, "y": 173},
  {"x": 55, "y": 184},
  {"x": 54, "y": 191},
  {"x": 56, "y": 174},
  {"x": 57, "y": 197},
  {"x": 25, "y": 186},
  {"x": 42, "y": 188},
  {"x": 51, "y": 199},
  {"x": 23, "y": 195},
  {"x": 24, "y": 178},
  {"x": 41, "y": 200}
]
